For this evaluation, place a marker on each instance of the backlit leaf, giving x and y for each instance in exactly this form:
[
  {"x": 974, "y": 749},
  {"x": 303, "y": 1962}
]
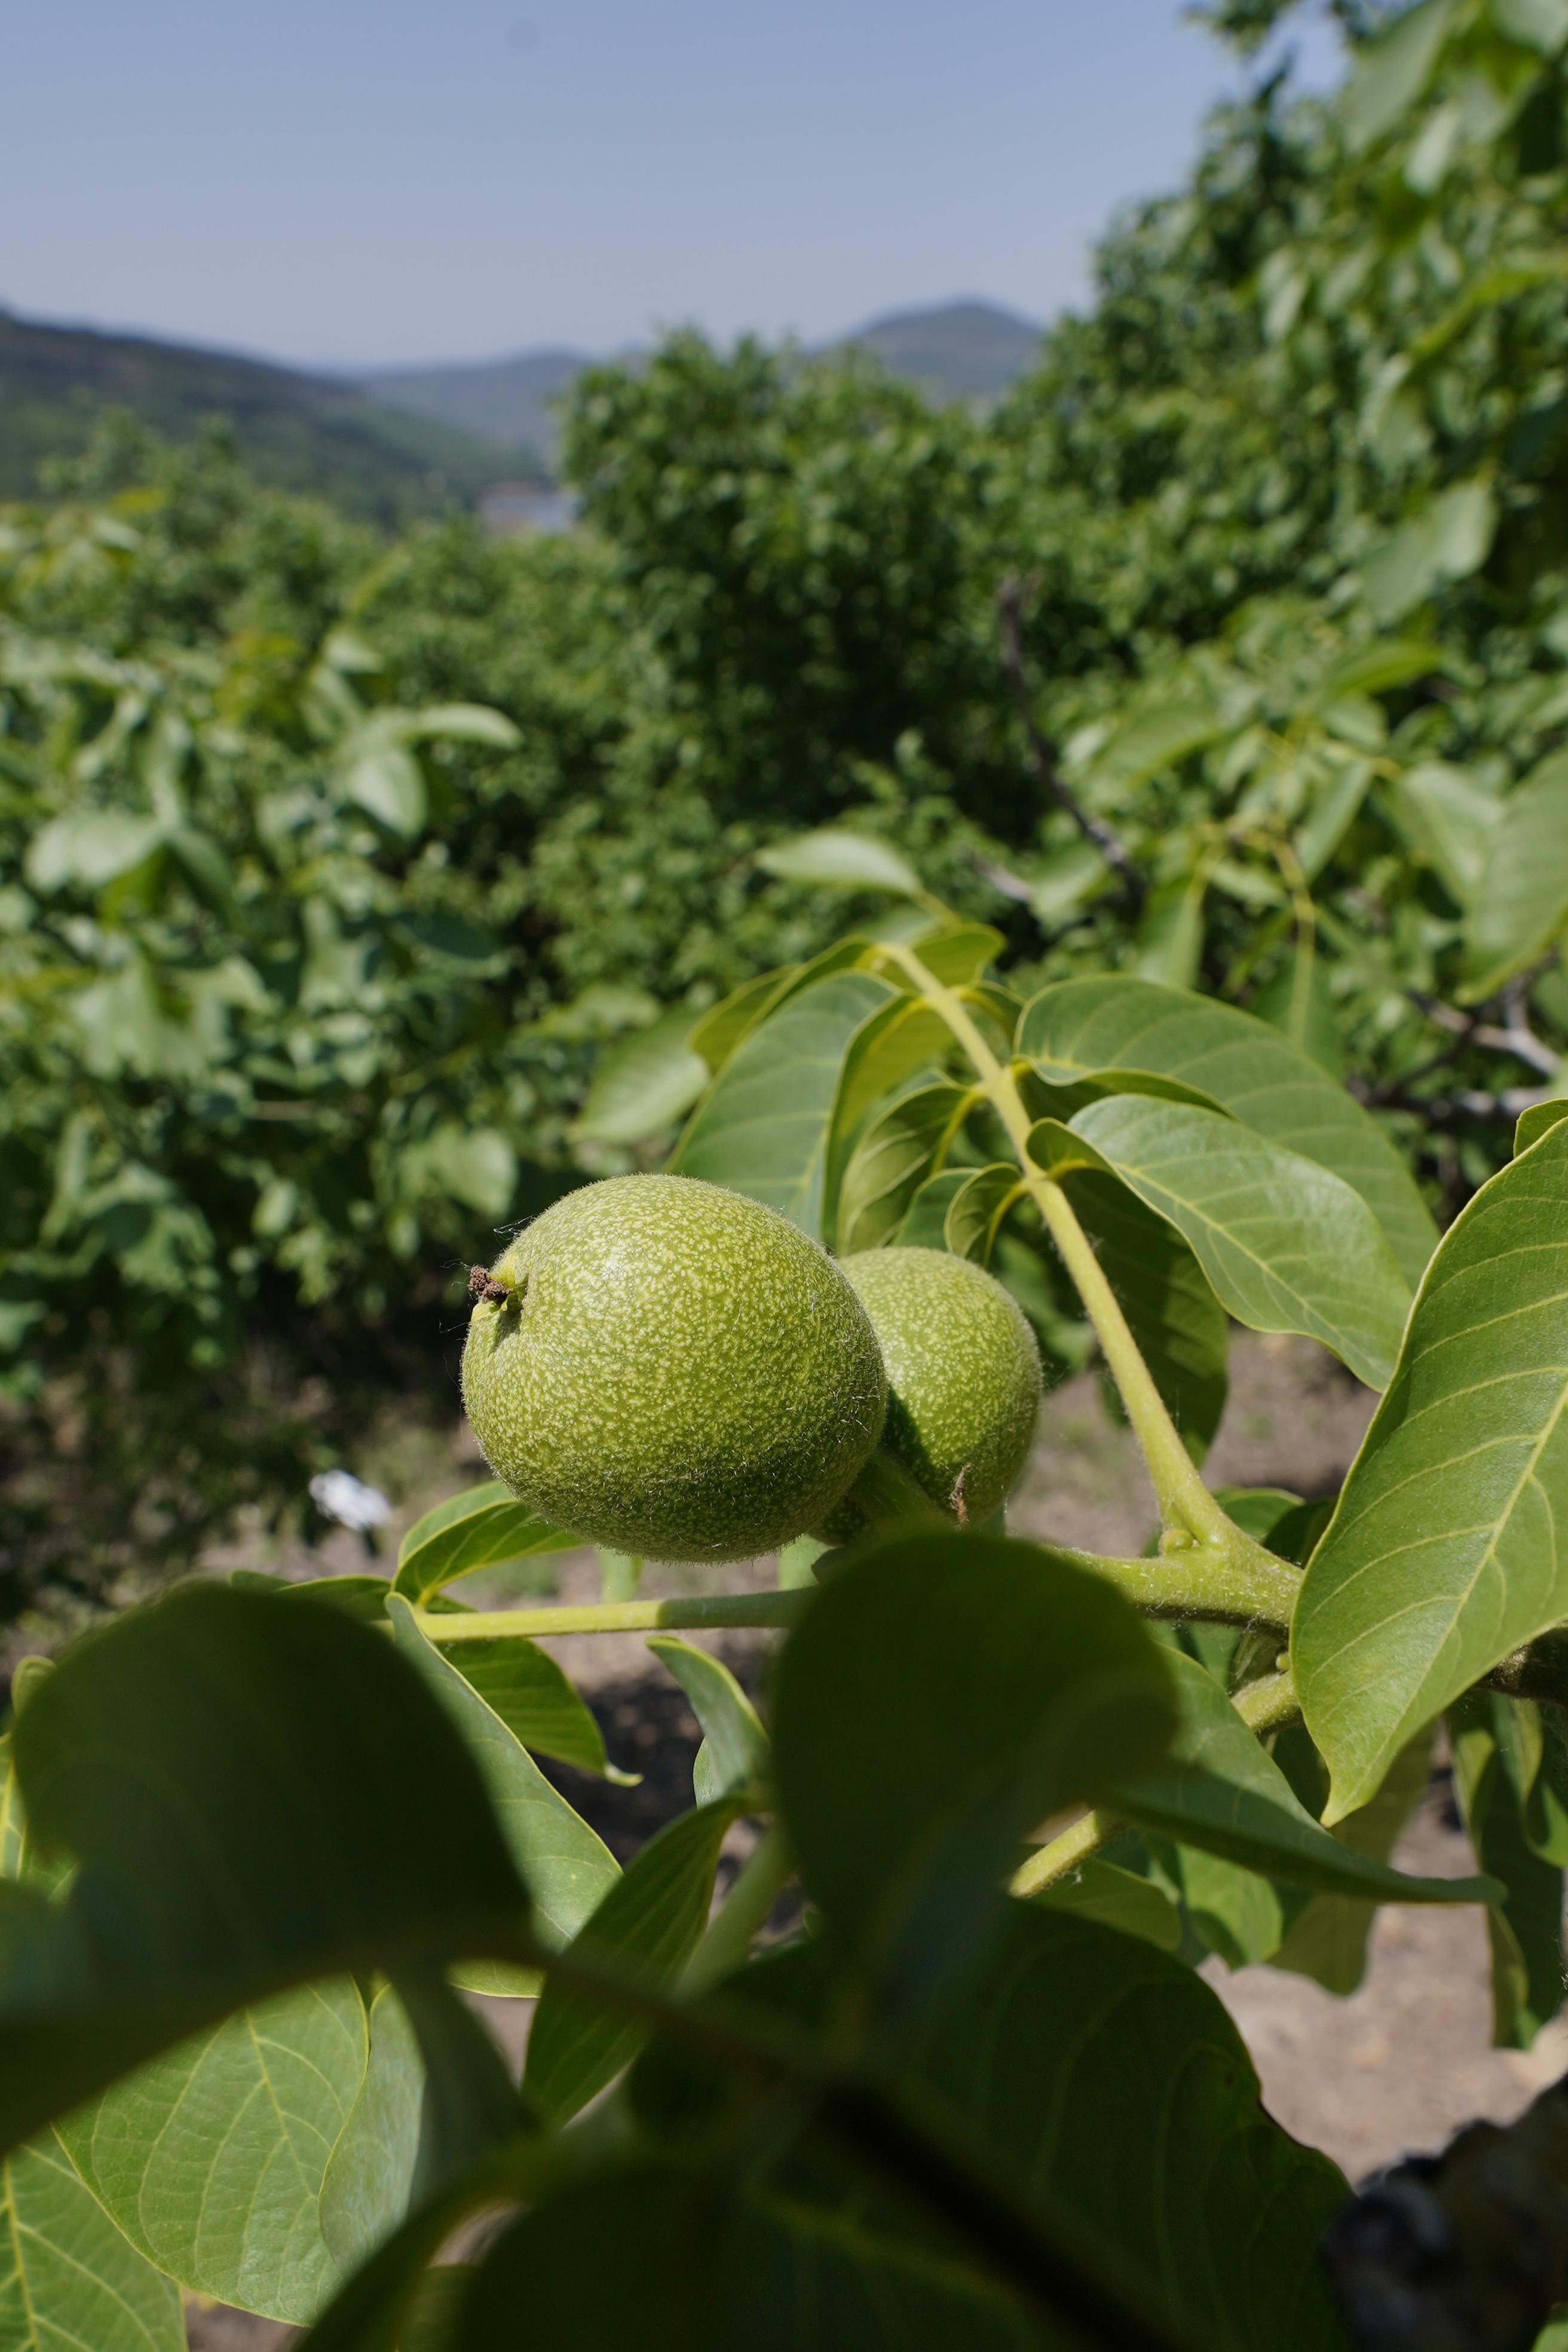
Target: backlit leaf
[
  {"x": 1084, "y": 2061},
  {"x": 523, "y": 1686},
  {"x": 484, "y": 1526},
  {"x": 68, "y": 2280},
  {"x": 257, "y": 1795},
  {"x": 212, "y": 2159},
  {"x": 1444, "y": 1553},
  {"x": 369, "y": 2174}
]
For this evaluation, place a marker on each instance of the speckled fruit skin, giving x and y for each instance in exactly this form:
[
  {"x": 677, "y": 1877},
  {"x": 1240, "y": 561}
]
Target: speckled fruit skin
[
  {"x": 685, "y": 1374},
  {"x": 963, "y": 1372}
]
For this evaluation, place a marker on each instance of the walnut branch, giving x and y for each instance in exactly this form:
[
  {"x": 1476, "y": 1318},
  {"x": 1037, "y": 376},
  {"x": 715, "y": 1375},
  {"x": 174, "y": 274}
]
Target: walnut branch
[{"x": 1042, "y": 758}]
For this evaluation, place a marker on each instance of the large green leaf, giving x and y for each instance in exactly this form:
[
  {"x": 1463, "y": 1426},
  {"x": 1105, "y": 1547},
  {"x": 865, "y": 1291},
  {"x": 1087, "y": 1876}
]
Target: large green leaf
[
  {"x": 1104, "y": 2080},
  {"x": 1105, "y": 1027},
  {"x": 802, "y": 2272},
  {"x": 717, "y": 1034},
  {"x": 763, "y": 1128},
  {"x": 891, "y": 1162},
  {"x": 624, "y": 2258},
  {"x": 1444, "y": 1554},
  {"x": 256, "y": 1796},
  {"x": 89, "y": 847},
  {"x": 1447, "y": 538},
  {"x": 1234, "y": 1912},
  {"x": 485, "y": 1526},
  {"x": 1031, "y": 1685},
  {"x": 1107, "y": 2078},
  {"x": 651, "y": 1922},
  {"x": 1391, "y": 71},
  {"x": 1227, "y": 1796},
  {"x": 68, "y": 2280},
  {"x": 1154, "y": 738},
  {"x": 1179, "y": 1326},
  {"x": 1521, "y": 900},
  {"x": 565, "y": 1866},
  {"x": 1286, "y": 1244},
  {"x": 212, "y": 2159}
]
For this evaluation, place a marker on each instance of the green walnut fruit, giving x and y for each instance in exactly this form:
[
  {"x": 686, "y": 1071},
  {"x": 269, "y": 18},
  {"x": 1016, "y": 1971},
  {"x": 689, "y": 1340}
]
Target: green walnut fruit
[
  {"x": 667, "y": 1368},
  {"x": 963, "y": 1374}
]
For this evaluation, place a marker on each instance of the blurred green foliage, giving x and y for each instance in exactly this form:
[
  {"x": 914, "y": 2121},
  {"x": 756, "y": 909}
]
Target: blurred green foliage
[{"x": 330, "y": 867}]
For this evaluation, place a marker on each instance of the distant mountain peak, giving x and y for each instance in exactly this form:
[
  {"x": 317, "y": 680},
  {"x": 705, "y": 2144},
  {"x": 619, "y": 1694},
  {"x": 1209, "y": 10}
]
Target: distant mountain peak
[{"x": 964, "y": 350}]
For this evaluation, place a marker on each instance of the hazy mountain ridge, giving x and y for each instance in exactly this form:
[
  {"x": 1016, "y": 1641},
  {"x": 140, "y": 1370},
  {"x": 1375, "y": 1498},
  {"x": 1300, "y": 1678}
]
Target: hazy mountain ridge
[
  {"x": 959, "y": 350},
  {"x": 297, "y": 432},
  {"x": 392, "y": 444}
]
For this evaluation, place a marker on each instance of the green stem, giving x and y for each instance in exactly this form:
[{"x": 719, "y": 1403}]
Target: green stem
[
  {"x": 1188, "y": 1512},
  {"x": 1196, "y": 1582},
  {"x": 758, "y": 1885},
  {"x": 1270, "y": 1702},
  {"x": 1064, "y": 1855},
  {"x": 889, "y": 1495},
  {"x": 616, "y": 1616}
]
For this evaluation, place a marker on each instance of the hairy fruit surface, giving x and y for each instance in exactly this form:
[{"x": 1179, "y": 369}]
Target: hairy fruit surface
[
  {"x": 963, "y": 1374},
  {"x": 673, "y": 1371}
]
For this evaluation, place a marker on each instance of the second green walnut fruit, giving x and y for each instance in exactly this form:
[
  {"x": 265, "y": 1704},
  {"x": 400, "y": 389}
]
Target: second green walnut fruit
[
  {"x": 667, "y": 1368},
  {"x": 963, "y": 1374}
]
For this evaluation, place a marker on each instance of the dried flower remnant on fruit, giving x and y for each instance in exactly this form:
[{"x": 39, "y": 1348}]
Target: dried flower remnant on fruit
[{"x": 483, "y": 1284}]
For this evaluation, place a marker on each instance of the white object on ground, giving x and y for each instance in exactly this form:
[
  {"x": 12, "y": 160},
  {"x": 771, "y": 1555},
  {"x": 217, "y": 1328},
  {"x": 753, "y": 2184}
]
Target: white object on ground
[{"x": 338, "y": 1495}]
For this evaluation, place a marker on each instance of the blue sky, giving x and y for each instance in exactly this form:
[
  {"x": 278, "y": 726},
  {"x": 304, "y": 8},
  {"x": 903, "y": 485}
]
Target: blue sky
[{"x": 358, "y": 181}]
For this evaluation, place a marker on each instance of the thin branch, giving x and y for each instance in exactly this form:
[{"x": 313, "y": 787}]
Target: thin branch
[
  {"x": 1270, "y": 1702},
  {"x": 1042, "y": 758}
]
